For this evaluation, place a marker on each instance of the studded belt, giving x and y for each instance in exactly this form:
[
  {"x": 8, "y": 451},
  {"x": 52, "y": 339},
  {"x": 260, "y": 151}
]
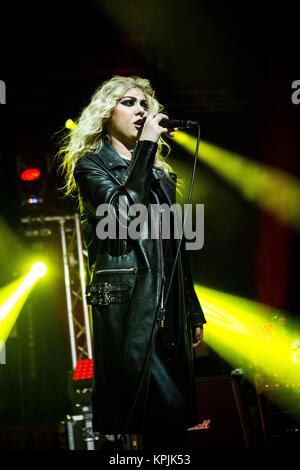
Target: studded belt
[{"x": 107, "y": 293}]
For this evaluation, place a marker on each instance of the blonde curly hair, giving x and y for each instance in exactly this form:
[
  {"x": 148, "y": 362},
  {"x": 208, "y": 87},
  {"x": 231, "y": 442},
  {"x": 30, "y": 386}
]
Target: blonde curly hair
[{"x": 89, "y": 133}]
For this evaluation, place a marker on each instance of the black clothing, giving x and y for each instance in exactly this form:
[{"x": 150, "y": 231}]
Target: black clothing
[{"x": 126, "y": 287}]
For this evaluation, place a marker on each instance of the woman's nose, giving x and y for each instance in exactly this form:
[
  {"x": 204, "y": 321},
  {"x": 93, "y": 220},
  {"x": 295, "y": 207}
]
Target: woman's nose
[{"x": 140, "y": 109}]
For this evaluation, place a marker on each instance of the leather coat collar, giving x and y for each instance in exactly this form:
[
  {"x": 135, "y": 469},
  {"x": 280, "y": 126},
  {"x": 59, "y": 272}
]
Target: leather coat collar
[
  {"x": 111, "y": 160},
  {"x": 110, "y": 157}
]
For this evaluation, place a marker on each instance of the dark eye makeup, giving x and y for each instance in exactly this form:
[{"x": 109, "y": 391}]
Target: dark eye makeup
[{"x": 131, "y": 102}]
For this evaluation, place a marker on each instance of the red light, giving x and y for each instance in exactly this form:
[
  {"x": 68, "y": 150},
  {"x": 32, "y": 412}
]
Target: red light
[
  {"x": 30, "y": 174},
  {"x": 84, "y": 370}
]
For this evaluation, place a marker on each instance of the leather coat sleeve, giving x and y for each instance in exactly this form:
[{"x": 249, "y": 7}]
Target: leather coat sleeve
[{"x": 97, "y": 187}]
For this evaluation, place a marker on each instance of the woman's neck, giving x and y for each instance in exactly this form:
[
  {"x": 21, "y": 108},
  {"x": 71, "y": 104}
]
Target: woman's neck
[{"x": 123, "y": 150}]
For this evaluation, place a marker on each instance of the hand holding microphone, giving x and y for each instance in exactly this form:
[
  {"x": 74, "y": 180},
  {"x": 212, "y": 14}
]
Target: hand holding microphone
[{"x": 152, "y": 126}]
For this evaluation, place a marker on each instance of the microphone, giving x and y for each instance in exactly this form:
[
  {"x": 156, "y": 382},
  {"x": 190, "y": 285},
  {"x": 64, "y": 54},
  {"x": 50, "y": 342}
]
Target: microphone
[{"x": 173, "y": 123}]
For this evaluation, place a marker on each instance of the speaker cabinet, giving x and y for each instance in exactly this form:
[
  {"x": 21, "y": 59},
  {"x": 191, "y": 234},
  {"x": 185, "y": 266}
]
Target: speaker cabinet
[
  {"x": 221, "y": 415},
  {"x": 281, "y": 418}
]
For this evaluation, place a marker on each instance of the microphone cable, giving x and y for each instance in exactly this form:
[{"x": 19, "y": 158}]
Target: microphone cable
[{"x": 187, "y": 202}]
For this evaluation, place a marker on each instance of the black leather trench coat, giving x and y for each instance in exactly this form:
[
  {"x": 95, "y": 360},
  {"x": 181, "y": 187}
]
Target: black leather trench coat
[{"x": 125, "y": 289}]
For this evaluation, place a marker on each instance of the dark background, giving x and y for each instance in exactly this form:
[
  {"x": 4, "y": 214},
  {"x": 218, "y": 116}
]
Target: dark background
[{"x": 228, "y": 65}]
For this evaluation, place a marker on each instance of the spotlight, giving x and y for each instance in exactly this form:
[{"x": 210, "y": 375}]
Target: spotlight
[
  {"x": 38, "y": 269},
  {"x": 70, "y": 124},
  {"x": 30, "y": 174}
]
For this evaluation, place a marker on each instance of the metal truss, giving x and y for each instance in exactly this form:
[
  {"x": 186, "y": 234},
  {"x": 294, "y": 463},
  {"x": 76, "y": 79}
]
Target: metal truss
[{"x": 74, "y": 265}]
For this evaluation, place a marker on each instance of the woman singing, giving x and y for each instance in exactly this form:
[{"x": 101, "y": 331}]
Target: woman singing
[{"x": 142, "y": 338}]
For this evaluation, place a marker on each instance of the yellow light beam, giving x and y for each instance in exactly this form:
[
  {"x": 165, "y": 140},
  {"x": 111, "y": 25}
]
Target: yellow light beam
[
  {"x": 252, "y": 336},
  {"x": 13, "y": 297},
  {"x": 270, "y": 188}
]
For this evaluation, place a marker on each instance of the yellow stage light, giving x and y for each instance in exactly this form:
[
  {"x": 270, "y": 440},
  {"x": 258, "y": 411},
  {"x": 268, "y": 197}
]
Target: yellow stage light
[
  {"x": 70, "y": 124},
  {"x": 38, "y": 269}
]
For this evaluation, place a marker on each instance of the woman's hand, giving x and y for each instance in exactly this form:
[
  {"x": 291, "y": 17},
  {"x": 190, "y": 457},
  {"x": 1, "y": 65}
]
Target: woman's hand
[
  {"x": 151, "y": 129},
  {"x": 198, "y": 335}
]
